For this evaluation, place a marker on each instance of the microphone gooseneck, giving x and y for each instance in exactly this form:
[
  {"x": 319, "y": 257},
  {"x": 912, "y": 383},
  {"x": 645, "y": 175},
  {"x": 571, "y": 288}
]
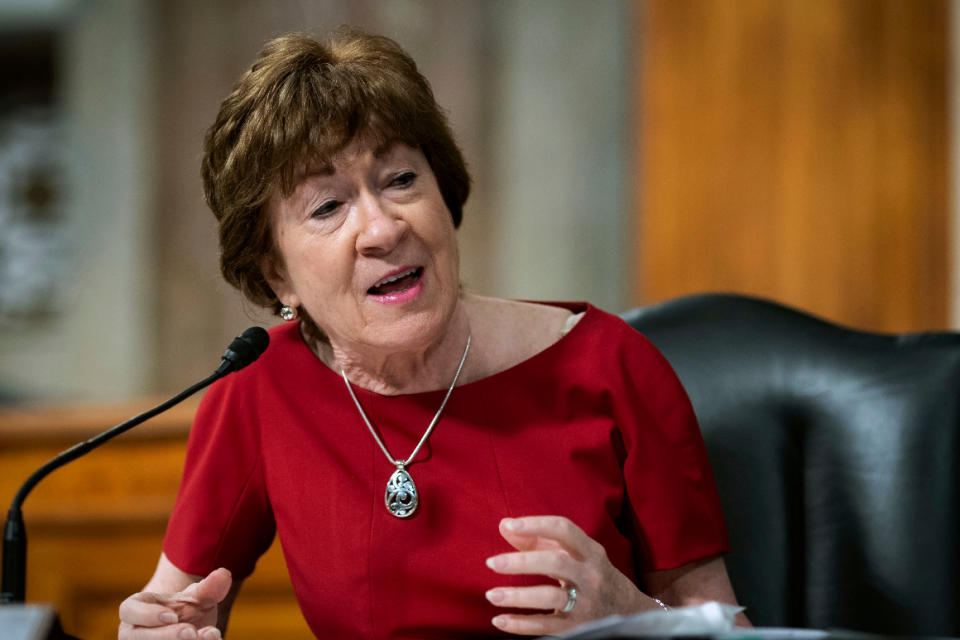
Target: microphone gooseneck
[{"x": 244, "y": 349}]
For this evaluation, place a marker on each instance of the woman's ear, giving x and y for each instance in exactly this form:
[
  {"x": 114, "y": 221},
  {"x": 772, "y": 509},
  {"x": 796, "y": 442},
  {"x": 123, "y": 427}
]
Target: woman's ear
[{"x": 276, "y": 276}]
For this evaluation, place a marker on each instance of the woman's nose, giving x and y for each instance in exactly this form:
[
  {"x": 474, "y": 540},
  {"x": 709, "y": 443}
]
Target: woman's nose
[{"x": 380, "y": 228}]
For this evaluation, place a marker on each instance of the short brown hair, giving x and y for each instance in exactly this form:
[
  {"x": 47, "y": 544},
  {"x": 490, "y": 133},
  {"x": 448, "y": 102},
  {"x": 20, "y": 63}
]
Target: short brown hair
[{"x": 300, "y": 103}]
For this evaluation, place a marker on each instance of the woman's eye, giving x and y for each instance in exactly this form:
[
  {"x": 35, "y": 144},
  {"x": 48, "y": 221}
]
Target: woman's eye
[
  {"x": 325, "y": 209},
  {"x": 404, "y": 179}
]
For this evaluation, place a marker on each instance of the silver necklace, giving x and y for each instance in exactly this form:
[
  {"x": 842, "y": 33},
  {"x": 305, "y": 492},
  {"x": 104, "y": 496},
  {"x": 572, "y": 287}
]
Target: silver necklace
[{"x": 402, "y": 496}]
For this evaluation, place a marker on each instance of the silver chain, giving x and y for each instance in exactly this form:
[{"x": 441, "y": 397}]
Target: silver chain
[{"x": 433, "y": 423}]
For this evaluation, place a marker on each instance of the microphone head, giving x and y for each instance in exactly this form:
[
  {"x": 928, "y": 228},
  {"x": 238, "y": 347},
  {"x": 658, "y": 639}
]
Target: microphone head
[{"x": 245, "y": 348}]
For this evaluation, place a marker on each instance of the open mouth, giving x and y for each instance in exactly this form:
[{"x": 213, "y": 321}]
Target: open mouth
[{"x": 397, "y": 283}]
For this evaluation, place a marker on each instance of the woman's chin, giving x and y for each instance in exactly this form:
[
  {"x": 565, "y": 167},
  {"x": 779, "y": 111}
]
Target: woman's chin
[{"x": 406, "y": 327}]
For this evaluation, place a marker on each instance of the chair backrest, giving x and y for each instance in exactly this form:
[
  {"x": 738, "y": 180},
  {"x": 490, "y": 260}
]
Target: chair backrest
[{"x": 836, "y": 457}]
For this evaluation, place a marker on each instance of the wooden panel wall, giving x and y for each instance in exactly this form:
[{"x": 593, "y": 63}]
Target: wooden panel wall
[
  {"x": 796, "y": 149},
  {"x": 94, "y": 527}
]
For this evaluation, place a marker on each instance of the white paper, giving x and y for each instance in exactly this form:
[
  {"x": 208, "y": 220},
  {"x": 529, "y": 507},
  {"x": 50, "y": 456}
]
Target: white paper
[{"x": 706, "y": 619}]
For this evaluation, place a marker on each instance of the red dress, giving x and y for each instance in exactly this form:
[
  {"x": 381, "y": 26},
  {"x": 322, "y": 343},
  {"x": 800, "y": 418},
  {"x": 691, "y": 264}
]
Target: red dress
[{"x": 595, "y": 428}]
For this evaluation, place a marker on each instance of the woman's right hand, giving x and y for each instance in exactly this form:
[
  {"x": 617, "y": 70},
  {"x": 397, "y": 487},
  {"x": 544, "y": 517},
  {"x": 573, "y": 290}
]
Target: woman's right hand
[{"x": 190, "y": 614}]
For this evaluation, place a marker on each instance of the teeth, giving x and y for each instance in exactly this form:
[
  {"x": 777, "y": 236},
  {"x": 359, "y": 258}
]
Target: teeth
[{"x": 394, "y": 278}]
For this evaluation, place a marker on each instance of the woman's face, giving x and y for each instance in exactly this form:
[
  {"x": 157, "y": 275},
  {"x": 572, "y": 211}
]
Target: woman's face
[{"x": 369, "y": 250}]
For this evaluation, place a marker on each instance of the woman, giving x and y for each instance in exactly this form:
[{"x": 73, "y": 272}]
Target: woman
[{"x": 435, "y": 464}]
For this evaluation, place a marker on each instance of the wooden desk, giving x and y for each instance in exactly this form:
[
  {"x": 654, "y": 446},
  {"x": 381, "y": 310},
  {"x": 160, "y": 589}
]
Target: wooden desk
[{"x": 94, "y": 527}]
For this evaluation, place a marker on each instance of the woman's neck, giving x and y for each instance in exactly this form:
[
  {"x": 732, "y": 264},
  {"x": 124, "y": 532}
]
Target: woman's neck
[{"x": 407, "y": 369}]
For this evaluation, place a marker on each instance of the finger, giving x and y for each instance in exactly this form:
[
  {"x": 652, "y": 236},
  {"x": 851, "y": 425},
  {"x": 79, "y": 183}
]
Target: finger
[
  {"x": 143, "y": 610},
  {"x": 556, "y": 564},
  {"x": 209, "y": 633},
  {"x": 181, "y": 631},
  {"x": 535, "y": 625},
  {"x": 561, "y": 530},
  {"x": 211, "y": 590},
  {"x": 528, "y": 542},
  {"x": 541, "y": 597}
]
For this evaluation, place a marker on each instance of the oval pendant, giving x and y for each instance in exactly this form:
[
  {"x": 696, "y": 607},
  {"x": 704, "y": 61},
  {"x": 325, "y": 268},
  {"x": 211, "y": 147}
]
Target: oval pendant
[{"x": 401, "y": 497}]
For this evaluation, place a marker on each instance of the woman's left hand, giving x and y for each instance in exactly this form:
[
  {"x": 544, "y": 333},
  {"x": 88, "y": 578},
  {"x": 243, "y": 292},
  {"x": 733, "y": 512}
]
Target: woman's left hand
[{"x": 554, "y": 546}]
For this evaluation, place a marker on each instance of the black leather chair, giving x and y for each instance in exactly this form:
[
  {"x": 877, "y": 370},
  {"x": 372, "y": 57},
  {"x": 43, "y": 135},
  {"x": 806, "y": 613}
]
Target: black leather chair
[{"x": 836, "y": 456}]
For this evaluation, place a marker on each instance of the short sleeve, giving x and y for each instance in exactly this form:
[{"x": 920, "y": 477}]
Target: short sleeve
[
  {"x": 222, "y": 516},
  {"x": 673, "y": 502}
]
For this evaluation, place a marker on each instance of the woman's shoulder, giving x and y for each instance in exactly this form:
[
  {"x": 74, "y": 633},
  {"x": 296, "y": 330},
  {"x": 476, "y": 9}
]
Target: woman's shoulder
[
  {"x": 537, "y": 322},
  {"x": 525, "y": 315},
  {"x": 561, "y": 340},
  {"x": 509, "y": 332}
]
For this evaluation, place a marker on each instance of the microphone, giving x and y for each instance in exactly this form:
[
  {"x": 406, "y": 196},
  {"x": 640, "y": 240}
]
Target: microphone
[{"x": 244, "y": 349}]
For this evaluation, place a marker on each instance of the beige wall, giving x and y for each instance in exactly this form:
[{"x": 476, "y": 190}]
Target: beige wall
[
  {"x": 100, "y": 345},
  {"x": 559, "y": 136}
]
